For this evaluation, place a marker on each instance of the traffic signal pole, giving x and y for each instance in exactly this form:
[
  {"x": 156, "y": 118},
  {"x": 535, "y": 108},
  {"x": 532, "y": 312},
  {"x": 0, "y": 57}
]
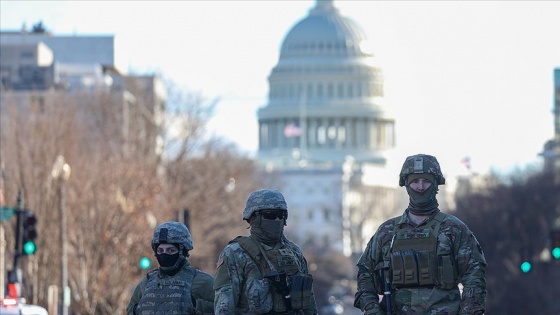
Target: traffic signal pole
[
  {"x": 14, "y": 275},
  {"x": 19, "y": 223}
]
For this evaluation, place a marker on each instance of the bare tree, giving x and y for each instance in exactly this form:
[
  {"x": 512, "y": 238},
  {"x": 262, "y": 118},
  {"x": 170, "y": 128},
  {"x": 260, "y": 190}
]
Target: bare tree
[
  {"x": 511, "y": 217},
  {"x": 119, "y": 188}
]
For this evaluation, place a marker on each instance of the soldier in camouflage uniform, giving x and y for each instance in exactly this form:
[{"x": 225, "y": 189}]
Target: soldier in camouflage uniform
[
  {"x": 420, "y": 257},
  {"x": 263, "y": 273},
  {"x": 175, "y": 287}
]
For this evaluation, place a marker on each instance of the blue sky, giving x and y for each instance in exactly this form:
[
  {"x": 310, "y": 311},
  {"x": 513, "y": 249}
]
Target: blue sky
[{"x": 464, "y": 78}]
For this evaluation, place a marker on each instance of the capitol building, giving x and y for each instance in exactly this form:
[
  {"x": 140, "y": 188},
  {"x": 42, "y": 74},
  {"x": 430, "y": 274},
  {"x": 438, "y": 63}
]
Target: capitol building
[{"x": 327, "y": 134}]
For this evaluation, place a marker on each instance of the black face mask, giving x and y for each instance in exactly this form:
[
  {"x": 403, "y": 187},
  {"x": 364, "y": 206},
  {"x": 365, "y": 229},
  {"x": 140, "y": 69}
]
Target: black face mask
[
  {"x": 267, "y": 231},
  {"x": 166, "y": 260}
]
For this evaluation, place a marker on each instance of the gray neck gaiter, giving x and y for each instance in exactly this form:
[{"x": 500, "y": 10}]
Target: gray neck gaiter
[
  {"x": 267, "y": 231},
  {"x": 423, "y": 203}
]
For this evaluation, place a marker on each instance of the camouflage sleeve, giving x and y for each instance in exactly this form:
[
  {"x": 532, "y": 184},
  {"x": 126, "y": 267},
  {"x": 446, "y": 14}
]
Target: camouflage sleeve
[
  {"x": 227, "y": 283},
  {"x": 136, "y": 296},
  {"x": 367, "y": 298},
  {"x": 203, "y": 293},
  {"x": 471, "y": 267}
]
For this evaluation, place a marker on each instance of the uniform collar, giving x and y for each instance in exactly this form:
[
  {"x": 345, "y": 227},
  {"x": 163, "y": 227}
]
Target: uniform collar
[{"x": 405, "y": 219}]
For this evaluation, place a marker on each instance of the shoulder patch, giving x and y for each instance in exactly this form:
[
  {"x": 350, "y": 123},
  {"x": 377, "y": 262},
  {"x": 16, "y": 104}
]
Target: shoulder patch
[{"x": 220, "y": 261}]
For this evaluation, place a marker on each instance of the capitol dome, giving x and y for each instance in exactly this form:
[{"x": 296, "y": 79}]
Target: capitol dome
[
  {"x": 325, "y": 32},
  {"x": 325, "y": 95}
]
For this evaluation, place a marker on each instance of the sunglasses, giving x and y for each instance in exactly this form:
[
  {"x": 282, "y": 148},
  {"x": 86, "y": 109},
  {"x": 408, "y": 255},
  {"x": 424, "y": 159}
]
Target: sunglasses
[{"x": 273, "y": 215}]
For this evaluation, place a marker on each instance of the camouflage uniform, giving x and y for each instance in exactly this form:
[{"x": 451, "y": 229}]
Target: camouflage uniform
[
  {"x": 456, "y": 257},
  {"x": 200, "y": 290},
  {"x": 181, "y": 289},
  {"x": 240, "y": 286}
]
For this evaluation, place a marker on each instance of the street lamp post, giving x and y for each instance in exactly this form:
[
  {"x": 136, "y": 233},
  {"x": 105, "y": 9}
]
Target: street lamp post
[
  {"x": 347, "y": 172},
  {"x": 61, "y": 173}
]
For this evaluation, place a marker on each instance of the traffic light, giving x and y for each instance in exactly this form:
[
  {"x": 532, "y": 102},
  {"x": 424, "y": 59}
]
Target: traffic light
[
  {"x": 555, "y": 244},
  {"x": 526, "y": 266},
  {"x": 29, "y": 233},
  {"x": 145, "y": 263}
]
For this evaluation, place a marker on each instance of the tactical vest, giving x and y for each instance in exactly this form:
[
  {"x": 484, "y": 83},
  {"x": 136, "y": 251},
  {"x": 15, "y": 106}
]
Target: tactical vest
[
  {"x": 282, "y": 259},
  {"x": 415, "y": 261},
  {"x": 168, "y": 295}
]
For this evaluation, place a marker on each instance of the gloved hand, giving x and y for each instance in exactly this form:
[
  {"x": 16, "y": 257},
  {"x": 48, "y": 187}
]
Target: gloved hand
[
  {"x": 203, "y": 307},
  {"x": 374, "y": 309}
]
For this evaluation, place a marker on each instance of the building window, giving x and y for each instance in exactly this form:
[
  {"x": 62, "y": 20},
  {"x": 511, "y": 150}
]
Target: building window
[
  {"x": 330, "y": 91},
  {"x": 311, "y": 136},
  {"x": 292, "y": 91},
  {"x": 326, "y": 214},
  {"x": 300, "y": 90},
  {"x": 341, "y": 134},
  {"x": 389, "y": 135},
  {"x": 321, "y": 135},
  {"x": 332, "y": 132},
  {"x": 350, "y": 90},
  {"x": 340, "y": 90},
  {"x": 26, "y": 54},
  {"x": 320, "y": 90},
  {"x": 264, "y": 135},
  {"x": 374, "y": 141},
  {"x": 381, "y": 135},
  {"x": 310, "y": 90}
]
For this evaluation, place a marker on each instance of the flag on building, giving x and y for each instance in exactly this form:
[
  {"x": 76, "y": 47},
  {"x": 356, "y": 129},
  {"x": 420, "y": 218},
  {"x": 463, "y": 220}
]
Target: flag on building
[
  {"x": 291, "y": 131},
  {"x": 466, "y": 161}
]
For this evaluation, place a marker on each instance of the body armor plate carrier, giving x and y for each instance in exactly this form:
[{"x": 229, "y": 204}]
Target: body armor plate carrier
[
  {"x": 283, "y": 259},
  {"x": 415, "y": 262},
  {"x": 168, "y": 295}
]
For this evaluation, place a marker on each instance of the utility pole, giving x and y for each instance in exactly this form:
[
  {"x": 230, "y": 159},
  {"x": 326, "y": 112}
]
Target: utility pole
[
  {"x": 61, "y": 173},
  {"x": 19, "y": 222},
  {"x": 2, "y": 234}
]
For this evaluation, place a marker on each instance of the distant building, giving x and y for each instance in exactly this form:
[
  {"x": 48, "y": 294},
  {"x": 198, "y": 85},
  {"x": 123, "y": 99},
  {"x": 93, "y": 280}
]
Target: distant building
[
  {"x": 328, "y": 135},
  {"x": 41, "y": 61},
  {"x": 36, "y": 67},
  {"x": 556, "y": 162},
  {"x": 551, "y": 150},
  {"x": 26, "y": 66}
]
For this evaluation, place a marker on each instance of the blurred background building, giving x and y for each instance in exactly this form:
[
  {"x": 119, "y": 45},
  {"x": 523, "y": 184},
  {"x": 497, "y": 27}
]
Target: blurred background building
[
  {"x": 551, "y": 151},
  {"x": 37, "y": 67},
  {"x": 328, "y": 134}
]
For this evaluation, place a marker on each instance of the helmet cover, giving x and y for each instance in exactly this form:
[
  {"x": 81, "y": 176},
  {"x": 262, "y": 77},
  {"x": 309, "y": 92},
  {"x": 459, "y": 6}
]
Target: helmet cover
[
  {"x": 172, "y": 233},
  {"x": 421, "y": 164},
  {"x": 264, "y": 199}
]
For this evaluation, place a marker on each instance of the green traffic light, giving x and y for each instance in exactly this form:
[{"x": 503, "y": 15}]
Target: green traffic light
[
  {"x": 556, "y": 253},
  {"x": 145, "y": 263},
  {"x": 29, "y": 248},
  {"x": 526, "y": 267}
]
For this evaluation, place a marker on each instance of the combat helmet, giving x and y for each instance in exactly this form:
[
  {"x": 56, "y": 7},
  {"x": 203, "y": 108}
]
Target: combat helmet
[
  {"x": 264, "y": 199},
  {"x": 421, "y": 164},
  {"x": 172, "y": 233}
]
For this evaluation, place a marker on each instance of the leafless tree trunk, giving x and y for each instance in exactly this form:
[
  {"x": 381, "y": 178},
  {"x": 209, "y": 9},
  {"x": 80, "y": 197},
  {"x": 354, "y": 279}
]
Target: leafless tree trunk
[
  {"x": 512, "y": 218},
  {"x": 118, "y": 191}
]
